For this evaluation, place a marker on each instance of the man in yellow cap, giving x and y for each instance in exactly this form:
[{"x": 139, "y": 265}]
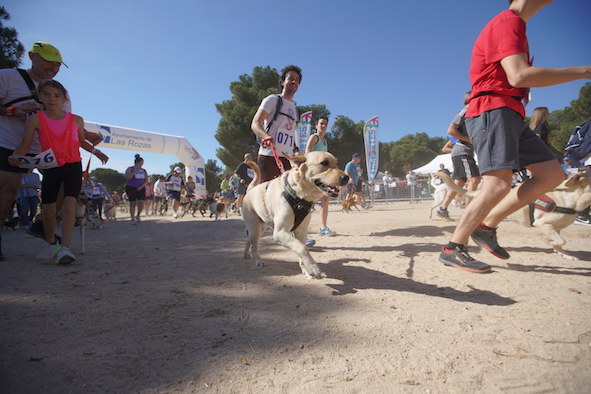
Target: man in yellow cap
[{"x": 17, "y": 99}]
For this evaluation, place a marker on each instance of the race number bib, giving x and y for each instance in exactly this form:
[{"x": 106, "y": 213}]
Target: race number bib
[{"x": 42, "y": 161}]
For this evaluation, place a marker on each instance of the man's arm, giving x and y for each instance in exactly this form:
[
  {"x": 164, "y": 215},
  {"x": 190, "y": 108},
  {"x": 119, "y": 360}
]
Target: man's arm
[
  {"x": 454, "y": 131},
  {"x": 257, "y": 124},
  {"x": 447, "y": 147},
  {"x": 521, "y": 75}
]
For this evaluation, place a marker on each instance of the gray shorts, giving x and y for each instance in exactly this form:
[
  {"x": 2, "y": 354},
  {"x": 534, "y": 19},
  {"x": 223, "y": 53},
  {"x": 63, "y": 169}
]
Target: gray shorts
[
  {"x": 503, "y": 141},
  {"x": 464, "y": 167}
]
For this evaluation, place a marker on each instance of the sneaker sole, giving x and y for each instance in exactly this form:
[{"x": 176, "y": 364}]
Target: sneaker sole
[
  {"x": 485, "y": 246},
  {"x": 66, "y": 260},
  {"x": 464, "y": 268},
  {"x": 443, "y": 217}
]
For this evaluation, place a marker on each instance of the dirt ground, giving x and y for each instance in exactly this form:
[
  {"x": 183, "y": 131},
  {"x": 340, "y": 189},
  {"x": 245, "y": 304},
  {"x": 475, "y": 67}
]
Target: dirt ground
[{"x": 170, "y": 306}]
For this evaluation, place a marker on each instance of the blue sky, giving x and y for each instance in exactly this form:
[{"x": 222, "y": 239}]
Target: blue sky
[{"x": 162, "y": 66}]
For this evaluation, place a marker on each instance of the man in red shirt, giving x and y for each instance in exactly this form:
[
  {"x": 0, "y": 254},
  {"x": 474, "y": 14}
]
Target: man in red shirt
[{"x": 501, "y": 74}]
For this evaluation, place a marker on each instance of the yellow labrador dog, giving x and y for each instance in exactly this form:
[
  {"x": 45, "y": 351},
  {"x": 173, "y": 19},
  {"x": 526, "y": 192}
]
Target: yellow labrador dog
[
  {"x": 284, "y": 203},
  {"x": 553, "y": 211}
]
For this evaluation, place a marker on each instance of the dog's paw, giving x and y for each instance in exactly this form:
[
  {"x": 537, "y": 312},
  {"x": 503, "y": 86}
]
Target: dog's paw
[{"x": 260, "y": 263}]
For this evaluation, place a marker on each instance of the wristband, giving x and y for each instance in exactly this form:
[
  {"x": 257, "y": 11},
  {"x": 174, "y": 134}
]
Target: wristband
[{"x": 10, "y": 112}]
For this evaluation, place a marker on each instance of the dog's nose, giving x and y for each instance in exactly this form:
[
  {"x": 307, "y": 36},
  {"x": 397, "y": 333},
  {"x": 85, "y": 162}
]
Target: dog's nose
[{"x": 343, "y": 179}]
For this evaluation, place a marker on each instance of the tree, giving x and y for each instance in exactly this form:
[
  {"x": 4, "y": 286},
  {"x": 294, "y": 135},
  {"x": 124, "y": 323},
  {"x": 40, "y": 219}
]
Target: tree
[
  {"x": 213, "y": 176},
  {"x": 113, "y": 180},
  {"x": 12, "y": 49},
  {"x": 317, "y": 110},
  {"x": 412, "y": 151},
  {"x": 345, "y": 138},
  {"x": 563, "y": 122},
  {"x": 234, "y": 133}
]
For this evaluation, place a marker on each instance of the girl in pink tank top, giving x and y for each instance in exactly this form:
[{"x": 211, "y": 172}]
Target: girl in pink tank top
[{"x": 63, "y": 132}]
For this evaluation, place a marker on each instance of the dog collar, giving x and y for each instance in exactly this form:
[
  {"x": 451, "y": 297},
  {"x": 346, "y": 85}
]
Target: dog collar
[
  {"x": 301, "y": 208},
  {"x": 546, "y": 204}
]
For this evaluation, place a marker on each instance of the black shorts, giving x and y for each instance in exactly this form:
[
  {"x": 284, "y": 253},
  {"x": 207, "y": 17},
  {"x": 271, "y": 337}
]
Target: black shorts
[
  {"x": 70, "y": 174},
  {"x": 242, "y": 188},
  {"x": 6, "y": 166},
  {"x": 133, "y": 194}
]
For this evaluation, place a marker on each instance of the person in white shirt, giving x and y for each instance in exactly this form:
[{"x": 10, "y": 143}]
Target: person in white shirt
[{"x": 174, "y": 185}]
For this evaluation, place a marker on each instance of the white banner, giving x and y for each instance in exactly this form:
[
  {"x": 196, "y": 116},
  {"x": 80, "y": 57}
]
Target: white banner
[
  {"x": 372, "y": 147},
  {"x": 144, "y": 141},
  {"x": 303, "y": 133}
]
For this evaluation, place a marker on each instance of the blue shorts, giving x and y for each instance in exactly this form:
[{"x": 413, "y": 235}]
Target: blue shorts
[
  {"x": 174, "y": 195},
  {"x": 503, "y": 141}
]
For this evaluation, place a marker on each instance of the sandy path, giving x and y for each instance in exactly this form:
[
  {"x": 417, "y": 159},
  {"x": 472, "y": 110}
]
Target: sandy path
[{"x": 170, "y": 306}]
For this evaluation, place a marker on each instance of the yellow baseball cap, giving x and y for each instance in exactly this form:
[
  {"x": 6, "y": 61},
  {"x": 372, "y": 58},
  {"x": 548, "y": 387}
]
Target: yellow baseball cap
[{"x": 47, "y": 52}]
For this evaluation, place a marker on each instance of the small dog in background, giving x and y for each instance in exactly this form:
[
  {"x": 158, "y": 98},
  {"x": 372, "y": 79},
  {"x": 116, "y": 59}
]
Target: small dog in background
[
  {"x": 94, "y": 221},
  {"x": 110, "y": 211},
  {"x": 12, "y": 219},
  {"x": 349, "y": 202},
  {"x": 216, "y": 207}
]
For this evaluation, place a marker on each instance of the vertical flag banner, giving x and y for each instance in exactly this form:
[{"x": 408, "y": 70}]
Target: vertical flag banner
[
  {"x": 372, "y": 147},
  {"x": 304, "y": 127}
]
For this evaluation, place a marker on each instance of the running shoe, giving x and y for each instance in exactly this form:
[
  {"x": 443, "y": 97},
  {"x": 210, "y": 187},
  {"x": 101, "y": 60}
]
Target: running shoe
[
  {"x": 175, "y": 215},
  {"x": 584, "y": 221},
  {"x": 137, "y": 219},
  {"x": 36, "y": 229},
  {"x": 310, "y": 242},
  {"x": 487, "y": 238},
  {"x": 64, "y": 256},
  {"x": 49, "y": 251},
  {"x": 443, "y": 213},
  {"x": 459, "y": 258},
  {"x": 326, "y": 231}
]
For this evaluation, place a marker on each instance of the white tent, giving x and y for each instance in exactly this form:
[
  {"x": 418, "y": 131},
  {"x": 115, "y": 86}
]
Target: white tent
[{"x": 433, "y": 165}]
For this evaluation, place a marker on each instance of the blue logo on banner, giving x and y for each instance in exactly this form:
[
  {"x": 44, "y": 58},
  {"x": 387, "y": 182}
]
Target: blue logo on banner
[{"x": 106, "y": 135}]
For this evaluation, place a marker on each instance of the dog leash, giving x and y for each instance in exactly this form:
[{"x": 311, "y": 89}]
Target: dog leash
[
  {"x": 87, "y": 170},
  {"x": 269, "y": 143}
]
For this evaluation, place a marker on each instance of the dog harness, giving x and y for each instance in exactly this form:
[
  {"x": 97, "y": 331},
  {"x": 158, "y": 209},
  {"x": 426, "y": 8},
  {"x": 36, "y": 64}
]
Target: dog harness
[
  {"x": 301, "y": 208},
  {"x": 546, "y": 204}
]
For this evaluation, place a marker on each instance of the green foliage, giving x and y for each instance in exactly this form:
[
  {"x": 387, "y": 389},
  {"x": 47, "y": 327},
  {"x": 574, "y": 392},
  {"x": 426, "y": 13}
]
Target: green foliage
[
  {"x": 317, "y": 110},
  {"x": 412, "y": 151},
  {"x": 213, "y": 176},
  {"x": 234, "y": 133},
  {"x": 11, "y": 48},
  {"x": 345, "y": 138},
  {"x": 113, "y": 180},
  {"x": 563, "y": 122}
]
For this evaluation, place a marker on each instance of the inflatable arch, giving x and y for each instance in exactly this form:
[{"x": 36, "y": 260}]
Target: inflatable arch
[{"x": 144, "y": 141}]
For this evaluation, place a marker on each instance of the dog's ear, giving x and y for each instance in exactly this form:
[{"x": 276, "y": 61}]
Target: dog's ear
[
  {"x": 295, "y": 161},
  {"x": 573, "y": 180}
]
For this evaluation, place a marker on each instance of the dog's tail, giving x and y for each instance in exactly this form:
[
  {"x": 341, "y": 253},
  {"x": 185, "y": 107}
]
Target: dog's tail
[
  {"x": 448, "y": 181},
  {"x": 257, "y": 175}
]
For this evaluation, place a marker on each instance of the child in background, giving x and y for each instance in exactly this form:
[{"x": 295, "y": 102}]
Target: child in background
[{"x": 64, "y": 133}]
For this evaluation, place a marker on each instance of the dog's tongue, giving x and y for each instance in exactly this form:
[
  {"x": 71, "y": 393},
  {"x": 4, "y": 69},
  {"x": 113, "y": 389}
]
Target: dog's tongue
[{"x": 333, "y": 191}]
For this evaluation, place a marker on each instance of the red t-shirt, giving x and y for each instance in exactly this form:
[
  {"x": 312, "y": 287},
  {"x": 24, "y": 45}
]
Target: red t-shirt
[{"x": 503, "y": 36}]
